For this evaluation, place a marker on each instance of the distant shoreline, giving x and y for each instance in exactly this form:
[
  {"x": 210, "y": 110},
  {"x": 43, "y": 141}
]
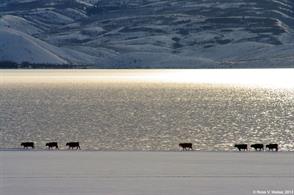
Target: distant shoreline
[{"x": 26, "y": 65}]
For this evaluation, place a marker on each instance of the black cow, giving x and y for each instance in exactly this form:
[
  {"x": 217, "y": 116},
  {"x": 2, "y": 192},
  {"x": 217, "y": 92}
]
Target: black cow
[
  {"x": 257, "y": 147},
  {"x": 72, "y": 145},
  {"x": 272, "y": 147},
  {"x": 52, "y": 145},
  {"x": 186, "y": 146},
  {"x": 241, "y": 147},
  {"x": 27, "y": 145}
]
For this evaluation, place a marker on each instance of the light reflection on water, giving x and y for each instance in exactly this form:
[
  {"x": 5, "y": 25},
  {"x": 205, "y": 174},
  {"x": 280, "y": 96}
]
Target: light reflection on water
[
  {"x": 147, "y": 109},
  {"x": 269, "y": 78}
]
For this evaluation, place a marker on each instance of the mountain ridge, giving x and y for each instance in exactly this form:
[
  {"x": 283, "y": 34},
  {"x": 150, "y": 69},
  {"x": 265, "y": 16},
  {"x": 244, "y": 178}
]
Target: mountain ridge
[{"x": 152, "y": 33}]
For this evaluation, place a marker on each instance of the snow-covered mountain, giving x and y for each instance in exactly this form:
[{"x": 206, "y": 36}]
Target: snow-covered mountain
[{"x": 148, "y": 33}]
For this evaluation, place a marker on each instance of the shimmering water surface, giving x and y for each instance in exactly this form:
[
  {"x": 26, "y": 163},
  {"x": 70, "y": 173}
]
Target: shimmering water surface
[{"x": 147, "y": 109}]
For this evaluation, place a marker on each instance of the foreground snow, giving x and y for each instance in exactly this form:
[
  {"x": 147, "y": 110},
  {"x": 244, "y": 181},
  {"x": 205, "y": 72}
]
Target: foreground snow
[{"x": 113, "y": 173}]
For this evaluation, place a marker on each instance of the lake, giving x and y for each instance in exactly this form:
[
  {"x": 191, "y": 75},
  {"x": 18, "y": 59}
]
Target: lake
[{"x": 147, "y": 110}]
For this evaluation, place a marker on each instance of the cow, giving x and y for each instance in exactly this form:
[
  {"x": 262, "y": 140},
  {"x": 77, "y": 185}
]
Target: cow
[
  {"x": 27, "y": 145},
  {"x": 72, "y": 145},
  {"x": 272, "y": 147},
  {"x": 241, "y": 147},
  {"x": 52, "y": 145},
  {"x": 257, "y": 147},
  {"x": 186, "y": 146}
]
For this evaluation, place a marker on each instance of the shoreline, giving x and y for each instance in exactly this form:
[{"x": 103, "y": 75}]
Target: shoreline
[{"x": 136, "y": 151}]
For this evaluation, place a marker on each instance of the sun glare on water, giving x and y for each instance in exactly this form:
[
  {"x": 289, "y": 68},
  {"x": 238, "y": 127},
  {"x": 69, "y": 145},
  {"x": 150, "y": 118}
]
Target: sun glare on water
[{"x": 274, "y": 78}]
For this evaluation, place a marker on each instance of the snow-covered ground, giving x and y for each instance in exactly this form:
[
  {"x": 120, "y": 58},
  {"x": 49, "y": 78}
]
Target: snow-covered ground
[{"x": 150, "y": 173}]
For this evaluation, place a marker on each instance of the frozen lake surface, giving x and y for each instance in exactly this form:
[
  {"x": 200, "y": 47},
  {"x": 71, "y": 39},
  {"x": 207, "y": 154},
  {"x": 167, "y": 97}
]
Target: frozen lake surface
[{"x": 144, "y": 173}]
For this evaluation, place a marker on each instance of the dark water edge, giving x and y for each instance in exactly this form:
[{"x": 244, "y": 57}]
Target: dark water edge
[{"x": 28, "y": 65}]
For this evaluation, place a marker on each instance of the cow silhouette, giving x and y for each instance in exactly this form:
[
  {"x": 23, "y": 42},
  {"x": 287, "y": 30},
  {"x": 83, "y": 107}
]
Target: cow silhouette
[
  {"x": 272, "y": 147},
  {"x": 257, "y": 147},
  {"x": 72, "y": 145},
  {"x": 27, "y": 145},
  {"x": 241, "y": 147},
  {"x": 186, "y": 146},
  {"x": 52, "y": 145}
]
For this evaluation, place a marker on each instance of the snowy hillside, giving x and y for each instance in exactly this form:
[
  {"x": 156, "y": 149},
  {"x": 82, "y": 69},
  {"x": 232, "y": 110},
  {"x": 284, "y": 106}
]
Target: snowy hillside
[
  {"x": 149, "y": 33},
  {"x": 20, "y": 47}
]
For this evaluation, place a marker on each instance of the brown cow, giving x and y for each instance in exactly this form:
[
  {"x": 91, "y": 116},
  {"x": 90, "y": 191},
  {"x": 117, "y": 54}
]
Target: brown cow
[
  {"x": 72, "y": 145},
  {"x": 52, "y": 145},
  {"x": 241, "y": 147},
  {"x": 26, "y": 145},
  {"x": 186, "y": 146},
  {"x": 257, "y": 147},
  {"x": 272, "y": 147}
]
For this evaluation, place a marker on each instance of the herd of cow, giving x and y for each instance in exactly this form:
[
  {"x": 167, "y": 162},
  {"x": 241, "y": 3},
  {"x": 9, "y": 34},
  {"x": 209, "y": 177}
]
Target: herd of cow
[
  {"x": 240, "y": 147},
  {"x": 257, "y": 147},
  {"x": 51, "y": 145},
  {"x": 184, "y": 146}
]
